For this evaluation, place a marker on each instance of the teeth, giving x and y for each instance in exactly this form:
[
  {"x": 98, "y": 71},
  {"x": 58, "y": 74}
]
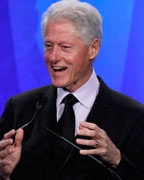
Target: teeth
[{"x": 56, "y": 68}]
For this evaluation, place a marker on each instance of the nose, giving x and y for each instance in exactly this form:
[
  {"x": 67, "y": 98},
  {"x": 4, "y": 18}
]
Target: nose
[{"x": 55, "y": 54}]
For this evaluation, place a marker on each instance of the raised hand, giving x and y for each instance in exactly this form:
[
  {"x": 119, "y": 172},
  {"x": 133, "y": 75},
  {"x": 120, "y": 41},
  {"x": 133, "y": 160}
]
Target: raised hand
[
  {"x": 101, "y": 143},
  {"x": 10, "y": 152}
]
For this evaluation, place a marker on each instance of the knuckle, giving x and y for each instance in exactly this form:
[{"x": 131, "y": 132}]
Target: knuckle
[
  {"x": 86, "y": 142},
  {"x": 5, "y": 135},
  {"x": 94, "y": 133},
  {"x": 8, "y": 134},
  {"x": 4, "y": 143},
  {"x": 94, "y": 126},
  {"x": 104, "y": 134},
  {"x": 1, "y": 154},
  {"x": 91, "y": 143},
  {"x": 105, "y": 146},
  {"x": 104, "y": 151},
  {"x": 1, "y": 144}
]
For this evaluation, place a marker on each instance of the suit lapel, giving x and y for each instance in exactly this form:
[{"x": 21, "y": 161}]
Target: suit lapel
[
  {"x": 100, "y": 108},
  {"x": 47, "y": 116},
  {"x": 101, "y": 105}
]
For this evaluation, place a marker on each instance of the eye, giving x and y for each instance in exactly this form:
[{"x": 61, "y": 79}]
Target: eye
[
  {"x": 65, "y": 47},
  {"x": 48, "y": 45}
]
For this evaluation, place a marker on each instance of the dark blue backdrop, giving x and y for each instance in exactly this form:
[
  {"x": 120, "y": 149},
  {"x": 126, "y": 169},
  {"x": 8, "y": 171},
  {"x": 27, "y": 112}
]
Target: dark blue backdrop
[{"x": 120, "y": 61}]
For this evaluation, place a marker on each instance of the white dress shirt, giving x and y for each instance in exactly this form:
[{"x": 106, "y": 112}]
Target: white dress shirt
[{"x": 86, "y": 96}]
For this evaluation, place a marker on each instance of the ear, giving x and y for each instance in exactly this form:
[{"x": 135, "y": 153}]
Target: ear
[{"x": 94, "y": 48}]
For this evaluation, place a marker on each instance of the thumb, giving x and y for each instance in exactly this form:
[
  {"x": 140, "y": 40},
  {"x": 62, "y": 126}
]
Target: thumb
[{"x": 19, "y": 137}]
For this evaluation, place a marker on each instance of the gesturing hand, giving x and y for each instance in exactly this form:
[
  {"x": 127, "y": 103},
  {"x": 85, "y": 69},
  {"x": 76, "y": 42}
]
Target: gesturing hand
[
  {"x": 104, "y": 147},
  {"x": 10, "y": 152}
]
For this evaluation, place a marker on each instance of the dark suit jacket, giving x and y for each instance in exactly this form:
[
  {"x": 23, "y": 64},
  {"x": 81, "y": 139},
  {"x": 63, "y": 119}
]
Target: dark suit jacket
[{"x": 44, "y": 156}]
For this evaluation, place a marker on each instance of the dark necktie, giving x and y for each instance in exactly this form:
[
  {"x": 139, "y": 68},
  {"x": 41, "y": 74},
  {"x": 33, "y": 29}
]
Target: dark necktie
[{"x": 66, "y": 123}]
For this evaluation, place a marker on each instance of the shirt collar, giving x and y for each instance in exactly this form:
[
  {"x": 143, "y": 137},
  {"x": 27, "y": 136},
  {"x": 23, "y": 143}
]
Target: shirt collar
[{"x": 86, "y": 94}]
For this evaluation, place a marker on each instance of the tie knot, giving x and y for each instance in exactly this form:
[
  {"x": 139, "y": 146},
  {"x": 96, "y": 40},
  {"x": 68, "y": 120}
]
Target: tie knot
[{"x": 70, "y": 99}]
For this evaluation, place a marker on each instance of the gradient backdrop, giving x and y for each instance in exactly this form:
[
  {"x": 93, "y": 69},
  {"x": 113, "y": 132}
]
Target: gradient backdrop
[{"x": 120, "y": 62}]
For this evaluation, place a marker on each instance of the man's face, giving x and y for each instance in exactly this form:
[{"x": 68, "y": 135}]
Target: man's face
[{"x": 68, "y": 59}]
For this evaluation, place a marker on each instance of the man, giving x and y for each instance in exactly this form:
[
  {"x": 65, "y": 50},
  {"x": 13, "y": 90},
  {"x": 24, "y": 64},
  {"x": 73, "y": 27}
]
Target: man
[{"x": 108, "y": 125}]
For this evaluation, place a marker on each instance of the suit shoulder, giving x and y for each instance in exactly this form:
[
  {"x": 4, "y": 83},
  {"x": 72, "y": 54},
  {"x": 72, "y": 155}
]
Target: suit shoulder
[
  {"x": 118, "y": 101},
  {"x": 125, "y": 102},
  {"x": 33, "y": 93}
]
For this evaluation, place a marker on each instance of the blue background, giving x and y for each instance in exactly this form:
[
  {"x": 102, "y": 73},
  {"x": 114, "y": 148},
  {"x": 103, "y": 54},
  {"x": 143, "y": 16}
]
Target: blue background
[{"x": 120, "y": 61}]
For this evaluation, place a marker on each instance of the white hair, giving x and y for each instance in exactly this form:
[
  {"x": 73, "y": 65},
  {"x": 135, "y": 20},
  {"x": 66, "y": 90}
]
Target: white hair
[{"x": 85, "y": 17}]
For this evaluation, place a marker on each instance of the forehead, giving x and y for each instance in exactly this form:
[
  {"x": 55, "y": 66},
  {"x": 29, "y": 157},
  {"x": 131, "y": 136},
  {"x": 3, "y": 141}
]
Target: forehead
[{"x": 61, "y": 28}]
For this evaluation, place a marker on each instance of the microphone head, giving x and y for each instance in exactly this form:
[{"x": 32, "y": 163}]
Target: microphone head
[
  {"x": 38, "y": 106},
  {"x": 41, "y": 100}
]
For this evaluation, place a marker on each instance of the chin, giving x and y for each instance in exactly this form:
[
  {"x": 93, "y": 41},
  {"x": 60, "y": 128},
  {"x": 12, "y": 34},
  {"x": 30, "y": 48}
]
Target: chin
[{"x": 60, "y": 85}]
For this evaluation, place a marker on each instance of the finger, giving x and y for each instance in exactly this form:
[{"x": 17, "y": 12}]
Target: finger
[
  {"x": 93, "y": 133},
  {"x": 81, "y": 127},
  {"x": 19, "y": 137},
  {"x": 87, "y": 132},
  {"x": 96, "y": 151},
  {"x": 89, "y": 125},
  {"x": 5, "y": 143},
  {"x": 5, "y": 152},
  {"x": 4, "y": 162},
  {"x": 9, "y": 134},
  {"x": 87, "y": 142}
]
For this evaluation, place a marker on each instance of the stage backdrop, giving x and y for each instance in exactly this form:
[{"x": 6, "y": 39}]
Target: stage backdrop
[{"x": 120, "y": 61}]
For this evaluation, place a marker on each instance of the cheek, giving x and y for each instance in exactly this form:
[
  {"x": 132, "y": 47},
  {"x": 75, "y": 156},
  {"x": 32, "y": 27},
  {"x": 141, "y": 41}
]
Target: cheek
[
  {"x": 77, "y": 62},
  {"x": 75, "y": 70},
  {"x": 80, "y": 63},
  {"x": 46, "y": 57},
  {"x": 47, "y": 62}
]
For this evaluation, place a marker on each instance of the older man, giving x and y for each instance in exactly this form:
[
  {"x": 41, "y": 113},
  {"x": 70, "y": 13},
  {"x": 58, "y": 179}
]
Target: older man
[{"x": 102, "y": 129}]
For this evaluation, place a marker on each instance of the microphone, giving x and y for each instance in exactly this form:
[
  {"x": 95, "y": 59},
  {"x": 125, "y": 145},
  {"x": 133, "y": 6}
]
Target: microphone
[
  {"x": 40, "y": 102},
  {"x": 78, "y": 148},
  {"x": 38, "y": 108}
]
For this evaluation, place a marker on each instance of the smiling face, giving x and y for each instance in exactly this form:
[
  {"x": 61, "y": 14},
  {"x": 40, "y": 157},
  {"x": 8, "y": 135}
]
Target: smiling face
[{"x": 68, "y": 59}]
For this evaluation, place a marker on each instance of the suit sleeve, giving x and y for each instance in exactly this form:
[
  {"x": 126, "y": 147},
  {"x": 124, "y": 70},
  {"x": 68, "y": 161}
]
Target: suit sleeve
[{"x": 131, "y": 166}]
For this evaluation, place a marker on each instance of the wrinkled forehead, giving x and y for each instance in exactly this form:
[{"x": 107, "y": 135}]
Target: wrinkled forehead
[{"x": 62, "y": 26}]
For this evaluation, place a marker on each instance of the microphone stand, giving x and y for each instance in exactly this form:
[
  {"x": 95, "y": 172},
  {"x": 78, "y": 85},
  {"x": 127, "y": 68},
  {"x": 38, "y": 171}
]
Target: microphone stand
[
  {"x": 78, "y": 148},
  {"x": 38, "y": 108}
]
